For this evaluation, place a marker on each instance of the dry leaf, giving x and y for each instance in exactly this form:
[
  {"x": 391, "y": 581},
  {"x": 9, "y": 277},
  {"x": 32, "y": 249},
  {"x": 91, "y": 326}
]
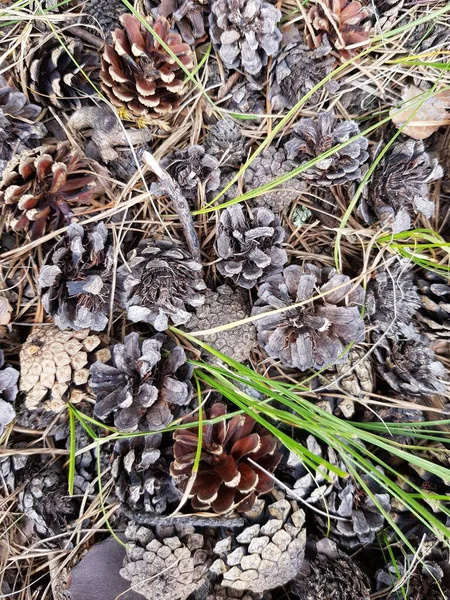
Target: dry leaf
[{"x": 425, "y": 118}]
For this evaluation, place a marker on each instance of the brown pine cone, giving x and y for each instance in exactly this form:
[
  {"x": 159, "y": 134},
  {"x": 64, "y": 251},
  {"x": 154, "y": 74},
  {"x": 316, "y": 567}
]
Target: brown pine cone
[
  {"x": 138, "y": 74},
  {"x": 226, "y": 480},
  {"x": 45, "y": 185}
]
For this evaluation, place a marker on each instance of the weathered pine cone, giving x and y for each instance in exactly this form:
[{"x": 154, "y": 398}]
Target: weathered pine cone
[
  {"x": 8, "y": 393},
  {"x": 226, "y": 479},
  {"x": 245, "y": 33},
  {"x": 316, "y": 334},
  {"x": 160, "y": 281},
  {"x": 75, "y": 281},
  {"x": 355, "y": 378},
  {"x": 249, "y": 247},
  {"x": 54, "y": 367},
  {"x": 269, "y": 165},
  {"x": 399, "y": 187},
  {"x": 329, "y": 573},
  {"x": 18, "y": 127},
  {"x": 246, "y": 98},
  {"x": 434, "y": 315},
  {"x": 312, "y": 137},
  {"x": 140, "y": 384},
  {"x": 55, "y": 79},
  {"x": 138, "y": 74},
  {"x": 265, "y": 555},
  {"x": 142, "y": 480},
  {"x": 220, "y": 308},
  {"x": 45, "y": 185},
  {"x": 342, "y": 22},
  {"x": 226, "y": 143},
  {"x": 188, "y": 16},
  {"x": 166, "y": 563},
  {"x": 104, "y": 14}
]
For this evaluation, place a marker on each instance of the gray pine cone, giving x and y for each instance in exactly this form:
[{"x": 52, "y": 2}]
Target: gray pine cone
[
  {"x": 313, "y": 335},
  {"x": 358, "y": 380},
  {"x": 434, "y": 315},
  {"x": 159, "y": 282},
  {"x": 263, "y": 556},
  {"x": 141, "y": 475},
  {"x": 105, "y": 14},
  {"x": 249, "y": 246},
  {"x": 141, "y": 383},
  {"x": 166, "y": 564},
  {"x": 8, "y": 393},
  {"x": 196, "y": 172},
  {"x": 312, "y": 137},
  {"x": 75, "y": 281},
  {"x": 266, "y": 167},
  {"x": 328, "y": 573},
  {"x": 188, "y": 16},
  {"x": 399, "y": 186},
  {"x": 425, "y": 582},
  {"x": 295, "y": 70},
  {"x": 226, "y": 143},
  {"x": 16, "y": 133},
  {"x": 245, "y": 32},
  {"x": 247, "y": 98},
  {"x": 220, "y": 308}
]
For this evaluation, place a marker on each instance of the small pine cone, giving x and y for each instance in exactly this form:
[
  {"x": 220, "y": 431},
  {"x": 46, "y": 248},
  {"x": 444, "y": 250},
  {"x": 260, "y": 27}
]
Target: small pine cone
[
  {"x": 357, "y": 380},
  {"x": 141, "y": 476},
  {"x": 55, "y": 79},
  {"x": 220, "y": 308},
  {"x": 138, "y": 74},
  {"x": 399, "y": 186},
  {"x": 18, "y": 127},
  {"x": 188, "y": 16},
  {"x": 54, "y": 367},
  {"x": 196, "y": 172},
  {"x": 75, "y": 281},
  {"x": 8, "y": 393},
  {"x": 226, "y": 480},
  {"x": 312, "y": 137},
  {"x": 266, "y": 167},
  {"x": 330, "y": 573},
  {"x": 409, "y": 365},
  {"x": 264, "y": 556},
  {"x": 434, "y": 315},
  {"x": 15, "y": 469},
  {"x": 392, "y": 298},
  {"x": 245, "y": 33},
  {"x": 168, "y": 564},
  {"x": 246, "y": 98},
  {"x": 316, "y": 334},
  {"x": 296, "y": 70},
  {"x": 425, "y": 581},
  {"x": 46, "y": 502},
  {"x": 105, "y": 14},
  {"x": 142, "y": 383},
  {"x": 159, "y": 282},
  {"x": 44, "y": 185},
  {"x": 342, "y": 22},
  {"x": 226, "y": 143},
  {"x": 249, "y": 248}
]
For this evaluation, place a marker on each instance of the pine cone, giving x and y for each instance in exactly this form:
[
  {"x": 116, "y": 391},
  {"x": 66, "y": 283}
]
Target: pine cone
[
  {"x": 159, "y": 281},
  {"x": 245, "y": 33},
  {"x": 399, "y": 186},
  {"x": 54, "y": 78},
  {"x": 75, "y": 281},
  {"x": 105, "y": 14},
  {"x": 14, "y": 470},
  {"x": 196, "y": 172},
  {"x": 18, "y": 127},
  {"x": 54, "y": 367},
  {"x": 140, "y": 385},
  {"x": 342, "y": 22},
  {"x": 266, "y": 167},
  {"x": 330, "y": 573},
  {"x": 166, "y": 565},
  {"x": 434, "y": 315},
  {"x": 312, "y": 137},
  {"x": 45, "y": 185},
  {"x": 8, "y": 392},
  {"x": 188, "y": 16},
  {"x": 226, "y": 480},
  {"x": 220, "y": 308},
  {"x": 424, "y": 582},
  {"x": 249, "y": 246},
  {"x": 138, "y": 74},
  {"x": 313, "y": 335},
  {"x": 218, "y": 592},
  {"x": 142, "y": 476},
  {"x": 358, "y": 380},
  {"x": 246, "y": 98},
  {"x": 264, "y": 556},
  {"x": 296, "y": 70},
  {"x": 226, "y": 143}
]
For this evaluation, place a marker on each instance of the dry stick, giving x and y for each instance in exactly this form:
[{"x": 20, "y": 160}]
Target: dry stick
[{"x": 173, "y": 190}]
